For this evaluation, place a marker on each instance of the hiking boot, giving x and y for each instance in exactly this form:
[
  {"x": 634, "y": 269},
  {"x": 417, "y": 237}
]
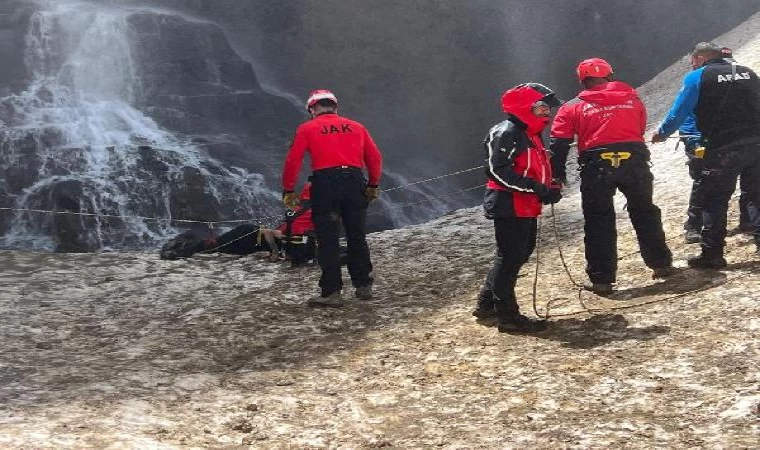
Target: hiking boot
[
  {"x": 704, "y": 262},
  {"x": 334, "y": 300},
  {"x": 484, "y": 311},
  {"x": 692, "y": 236},
  {"x": 663, "y": 272},
  {"x": 521, "y": 324},
  {"x": 599, "y": 288},
  {"x": 364, "y": 292}
]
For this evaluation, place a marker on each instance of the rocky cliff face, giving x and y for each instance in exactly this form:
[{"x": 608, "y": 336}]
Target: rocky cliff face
[{"x": 124, "y": 112}]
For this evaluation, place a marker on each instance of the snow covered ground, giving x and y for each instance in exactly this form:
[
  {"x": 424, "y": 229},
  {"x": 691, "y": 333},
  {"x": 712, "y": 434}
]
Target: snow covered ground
[{"x": 128, "y": 351}]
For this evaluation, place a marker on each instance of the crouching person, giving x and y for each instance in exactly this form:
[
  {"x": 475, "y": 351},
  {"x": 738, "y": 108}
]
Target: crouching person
[{"x": 519, "y": 182}]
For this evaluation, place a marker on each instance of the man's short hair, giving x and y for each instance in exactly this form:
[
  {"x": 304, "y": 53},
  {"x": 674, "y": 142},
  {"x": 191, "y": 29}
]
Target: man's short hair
[{"x": 707, "y": 49}]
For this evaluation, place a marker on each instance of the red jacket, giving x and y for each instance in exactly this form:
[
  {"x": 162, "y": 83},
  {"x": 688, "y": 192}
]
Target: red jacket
[
  {"x": 331, "y": 141},
  {"x": 606, "y": 114},
  {"x": 517, "y": 160},
  {"x": 300, "y": 221},
  {"x": 301, "y": 225}
]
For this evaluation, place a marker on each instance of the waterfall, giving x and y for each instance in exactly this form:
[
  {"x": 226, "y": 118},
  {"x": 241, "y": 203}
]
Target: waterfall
[{"x": 75, "y": 140}]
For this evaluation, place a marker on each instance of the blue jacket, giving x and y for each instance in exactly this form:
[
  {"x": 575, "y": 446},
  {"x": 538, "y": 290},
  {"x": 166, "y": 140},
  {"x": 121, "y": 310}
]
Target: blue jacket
[
  {"x": 689, "y": 129},
  {"x": 681, "y": 115}
]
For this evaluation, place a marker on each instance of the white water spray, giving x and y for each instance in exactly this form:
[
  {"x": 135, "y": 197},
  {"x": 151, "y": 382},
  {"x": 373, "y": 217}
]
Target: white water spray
[{"x": 76, "y": 124}]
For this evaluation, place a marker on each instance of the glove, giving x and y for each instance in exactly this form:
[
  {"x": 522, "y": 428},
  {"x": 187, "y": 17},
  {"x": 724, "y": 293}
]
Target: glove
[
  {"x": 290, "y": 199},
  {"x": 372, "y": 192},
  {"x": 560, "y": 181},
  {"x": 549, "y": 194},
  {"x": 657, "y": 137}
]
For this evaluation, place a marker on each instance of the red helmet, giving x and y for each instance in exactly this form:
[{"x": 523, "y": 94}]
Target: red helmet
[
  {"x": 594, "y": 67},
  {"x": 320, "y": 94}
]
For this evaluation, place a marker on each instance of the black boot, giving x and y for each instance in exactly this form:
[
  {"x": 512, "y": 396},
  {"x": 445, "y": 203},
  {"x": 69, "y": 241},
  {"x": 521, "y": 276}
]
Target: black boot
[
  {"x": 600, "y": 289},
  {"x": 519, "y": 323},
  {"x": 485, "y": 309},
  {"x": 707, "y": 262},
  {"x": 663, "y": 272}
]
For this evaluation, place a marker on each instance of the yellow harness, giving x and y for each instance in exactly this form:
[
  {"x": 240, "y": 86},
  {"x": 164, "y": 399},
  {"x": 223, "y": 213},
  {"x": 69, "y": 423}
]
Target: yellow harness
[{"x": 615, "y": 157}]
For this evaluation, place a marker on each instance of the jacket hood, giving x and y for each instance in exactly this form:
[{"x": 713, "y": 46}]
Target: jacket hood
[
  {"x": 519, "y": 101},
  {"x": 611, "y": 93}
]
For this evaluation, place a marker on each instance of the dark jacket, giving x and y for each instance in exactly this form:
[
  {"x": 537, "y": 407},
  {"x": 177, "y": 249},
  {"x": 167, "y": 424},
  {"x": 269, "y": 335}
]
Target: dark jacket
[{"x": 727, "y": 106}]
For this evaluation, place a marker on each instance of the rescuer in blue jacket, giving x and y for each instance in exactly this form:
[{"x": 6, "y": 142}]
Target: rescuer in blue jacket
[{"x": 725, "y": 100}]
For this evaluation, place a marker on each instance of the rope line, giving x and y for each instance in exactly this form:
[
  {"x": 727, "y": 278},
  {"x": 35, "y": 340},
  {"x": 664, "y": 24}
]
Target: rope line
[
  {"x": 233, "y": 221},
  {"x": 587, "y": 310},
  {"x": 155, "y": 219},
  {"x": 214, "y": 249},
  {"x": 428, "y": 199},
  {"x": 403, "y": 186},
  {"x": 591, "y": 311}
]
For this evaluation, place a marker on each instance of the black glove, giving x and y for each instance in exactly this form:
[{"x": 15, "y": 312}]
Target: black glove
[{"x": 548, "y": 194}]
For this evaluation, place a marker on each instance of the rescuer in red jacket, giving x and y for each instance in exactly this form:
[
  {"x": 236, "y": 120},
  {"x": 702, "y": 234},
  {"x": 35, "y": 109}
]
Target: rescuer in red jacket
[
  {"x": 609, "y": 121},
  {"x": 340, "y": 150},
  {"x": 519, "y": 182}
]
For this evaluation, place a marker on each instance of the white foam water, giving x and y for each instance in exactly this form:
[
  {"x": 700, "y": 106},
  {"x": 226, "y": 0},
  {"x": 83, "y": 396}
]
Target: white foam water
[{"x": 76, "y": 122}]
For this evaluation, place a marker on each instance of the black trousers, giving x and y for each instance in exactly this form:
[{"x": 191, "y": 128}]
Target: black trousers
[
  {"x": 694, "y": 212},
  {"x": 300, "y": 253},
  {"x": 337, "y": 196},
  {"x": 599, "y": 182},
  {"x": 747, "y": 184},
  {"x": 515, "y": 242},
  {"x": 717, "y": 185}
]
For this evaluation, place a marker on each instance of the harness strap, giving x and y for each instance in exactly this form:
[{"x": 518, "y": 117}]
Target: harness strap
[{"x": 299, "y": 239}]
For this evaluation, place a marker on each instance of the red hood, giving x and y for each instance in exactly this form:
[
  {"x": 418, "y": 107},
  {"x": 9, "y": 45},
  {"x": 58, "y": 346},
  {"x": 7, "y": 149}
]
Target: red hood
[
  {"x": 519, "y": 102},
  {"x": 612, "y": 93}
]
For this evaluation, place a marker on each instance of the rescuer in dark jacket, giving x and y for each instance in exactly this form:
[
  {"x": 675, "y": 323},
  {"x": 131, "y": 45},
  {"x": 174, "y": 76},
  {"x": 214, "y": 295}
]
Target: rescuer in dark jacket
[
  {"x": 725, "y": 98},
  {"x": 609, "y": 121},
  {"x": 519, "y": 181},
  {"x": 340, "y": 149}
]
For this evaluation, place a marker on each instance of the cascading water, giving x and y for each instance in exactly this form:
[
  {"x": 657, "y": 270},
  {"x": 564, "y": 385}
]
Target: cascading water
[{"x": 74, "y": 140}]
